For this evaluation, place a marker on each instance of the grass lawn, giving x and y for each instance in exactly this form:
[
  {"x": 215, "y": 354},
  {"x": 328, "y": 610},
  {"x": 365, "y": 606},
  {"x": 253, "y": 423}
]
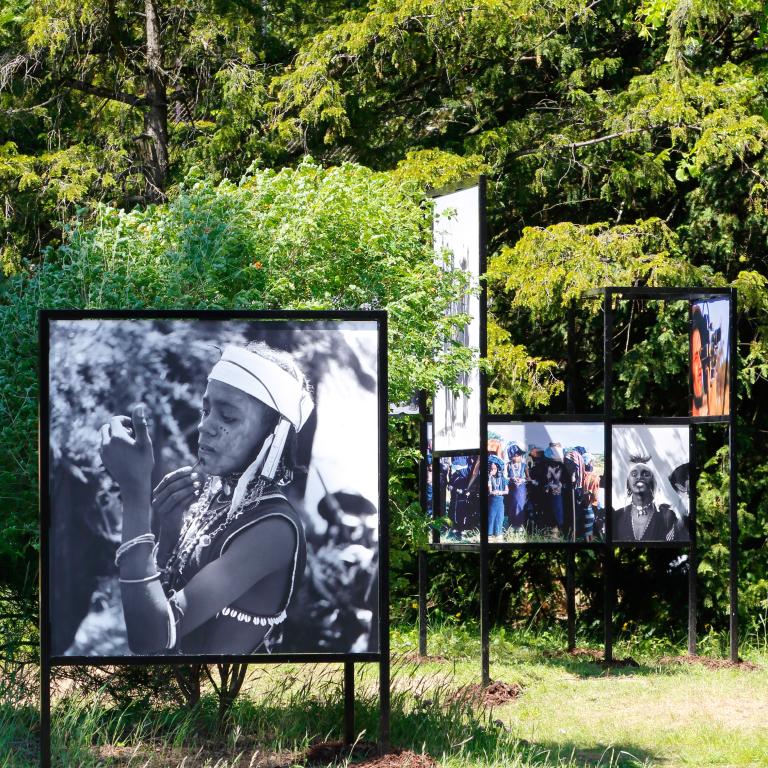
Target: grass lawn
[{"x": 564, "y": 710}]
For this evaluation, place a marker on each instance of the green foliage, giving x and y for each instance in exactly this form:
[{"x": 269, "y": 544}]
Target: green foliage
[
  {"x": 518, "y": 380},
  {"x": 625, "y": 143},
  {"x": 308, "y": 238},
  {"x": 549, "y": 268}
]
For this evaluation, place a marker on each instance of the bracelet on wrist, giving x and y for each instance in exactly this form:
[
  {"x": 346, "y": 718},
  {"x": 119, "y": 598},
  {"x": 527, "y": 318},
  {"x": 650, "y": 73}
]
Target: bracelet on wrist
[
  {"x": 145, "y": 580},
  {"x": 144, "y": 538}
]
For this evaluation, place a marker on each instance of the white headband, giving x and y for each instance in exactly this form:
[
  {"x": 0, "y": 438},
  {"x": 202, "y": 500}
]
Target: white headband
[{"x": 266, "y": 381}]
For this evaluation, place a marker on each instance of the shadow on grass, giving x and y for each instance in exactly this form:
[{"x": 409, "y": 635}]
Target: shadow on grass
[
  {"x": 279, "y": 727},
  {"x": 586, "y": 663}
]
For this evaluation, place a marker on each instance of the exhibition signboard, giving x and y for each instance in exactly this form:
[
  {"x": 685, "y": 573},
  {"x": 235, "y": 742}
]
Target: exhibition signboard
[{"x": 458, "y": 237}]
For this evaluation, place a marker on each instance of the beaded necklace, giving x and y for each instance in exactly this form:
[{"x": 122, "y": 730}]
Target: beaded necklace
[
  {"x": 207, "y": 518},
  {"x": 639, "y": 514}
]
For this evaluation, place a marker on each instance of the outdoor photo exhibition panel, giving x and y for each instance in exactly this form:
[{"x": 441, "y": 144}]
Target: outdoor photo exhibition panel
[
  {"x": 644, "y": 471},
  {"x": 651, "y": 470},
  {"x": 458, "y": 238},
  {"x": 196, "y": 467},
  {"x": 544, "y": 479}
]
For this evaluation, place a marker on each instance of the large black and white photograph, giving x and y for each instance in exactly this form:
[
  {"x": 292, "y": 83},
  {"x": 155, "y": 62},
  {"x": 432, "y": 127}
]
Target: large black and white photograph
[
  {"x": 650, "y": 483},
  {"x": 456, "y": 237},
  {"x": 545, "y": 484},
  {"x": 214, "y": 486}
]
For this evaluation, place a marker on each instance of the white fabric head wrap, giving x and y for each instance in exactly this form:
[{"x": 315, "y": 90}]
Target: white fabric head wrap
[{"x": 266, "y": 381}]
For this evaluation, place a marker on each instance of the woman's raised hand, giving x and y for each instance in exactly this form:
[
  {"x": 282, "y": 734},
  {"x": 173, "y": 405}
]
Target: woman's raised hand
[
  {"x": 173, "y": 495},
  {"x": 126, "y": 451}
]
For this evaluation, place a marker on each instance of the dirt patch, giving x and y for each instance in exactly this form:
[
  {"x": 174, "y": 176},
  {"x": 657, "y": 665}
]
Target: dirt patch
[
  {"x": 417, "y": 658},
  {"x": 499, "y": 692},
  {"x": 329, "y": 751},
  {"x": 326, "y": 752},
  {"x": 399, "y": 758},
  {"x": 628, "y": 663},
  {"x": 496, "y": 694},
  {"x": 586, "y": 654},
  {"x": 709, "y": 663}
]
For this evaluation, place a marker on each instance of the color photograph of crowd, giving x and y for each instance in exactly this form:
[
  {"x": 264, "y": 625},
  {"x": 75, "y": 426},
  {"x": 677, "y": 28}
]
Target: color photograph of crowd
[{"x": 545, "y": 483}]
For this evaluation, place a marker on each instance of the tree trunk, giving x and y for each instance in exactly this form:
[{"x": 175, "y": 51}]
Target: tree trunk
[
  {"x": 156, "y": 116},
  {"x": 231, "y": 679},
  {"x": 189, "y": 680}
]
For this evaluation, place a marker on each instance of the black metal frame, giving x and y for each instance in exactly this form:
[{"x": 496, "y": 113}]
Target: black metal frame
[
  {"x": 349, "y": 659},
  {"x": 671, "y": 294},
  {"x": 481, "y": 183},
  {"x": 609, "y": 548}
]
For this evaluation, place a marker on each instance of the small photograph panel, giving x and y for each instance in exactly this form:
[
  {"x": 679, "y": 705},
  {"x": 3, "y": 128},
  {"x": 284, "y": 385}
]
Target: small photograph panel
[
  {"x": 456, "y": 234},
  {"x": 545, "y": 484},
  {"x": 200, "y": 496},
  {"x": 710, "y": 358},
  {"x": 650, "y": 477}
]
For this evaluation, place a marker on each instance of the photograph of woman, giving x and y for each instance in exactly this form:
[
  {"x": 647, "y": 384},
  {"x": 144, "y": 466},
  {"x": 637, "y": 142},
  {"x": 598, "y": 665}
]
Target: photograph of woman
[
  {"x": 221, "y": 556},
  {"x": 229, "y": 549}
]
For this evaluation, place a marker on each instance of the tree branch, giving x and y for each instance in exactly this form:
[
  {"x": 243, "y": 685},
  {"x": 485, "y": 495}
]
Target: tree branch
[
  {"x": 580, "y": 144},
  {"x": 106, "y": 93}
]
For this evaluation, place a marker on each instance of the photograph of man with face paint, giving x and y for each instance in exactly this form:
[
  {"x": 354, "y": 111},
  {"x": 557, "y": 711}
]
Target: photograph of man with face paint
[
  {"x": 216, "y": 557},
  {"x": 649, "y": 481},
  {"x": 709, "y": 358}
]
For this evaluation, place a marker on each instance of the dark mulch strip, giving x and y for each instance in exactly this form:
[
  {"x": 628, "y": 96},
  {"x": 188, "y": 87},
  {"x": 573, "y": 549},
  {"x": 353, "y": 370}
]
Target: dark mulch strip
[
  {"x": 326, "y": 752},
  {"x": 329, "y": 751},
  {"x": 710, "y": 663},
  {"x": 593, "y": 655},
  {"x": 500, "y": 693},
  {"x": 399, "y": 758},
  {"x": 418, "y": 658},
  {"x": 496, "y": 694},
  {"x": 628, "y": 663},
  {"x": 588, "y": 654}
]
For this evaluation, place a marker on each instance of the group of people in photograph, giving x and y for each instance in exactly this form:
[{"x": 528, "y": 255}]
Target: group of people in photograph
[
  {"x": 542, "y": 492},
  {"x": 556, "y": 491}
]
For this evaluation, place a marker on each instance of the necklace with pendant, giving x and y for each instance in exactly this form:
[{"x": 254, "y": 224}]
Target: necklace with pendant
[
  {"x": 207, "y": 518},
  {"x": 640, "y": 515}
]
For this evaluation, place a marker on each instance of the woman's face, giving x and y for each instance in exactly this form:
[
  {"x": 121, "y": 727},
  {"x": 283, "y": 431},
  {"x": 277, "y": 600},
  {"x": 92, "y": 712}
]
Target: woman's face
[
  {"x": 232, "y": 428},
  {"x": 494, "y": 469}
]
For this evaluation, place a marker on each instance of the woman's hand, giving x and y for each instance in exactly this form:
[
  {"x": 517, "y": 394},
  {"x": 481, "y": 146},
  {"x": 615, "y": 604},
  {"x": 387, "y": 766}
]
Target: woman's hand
[
  {"x": 170, "y": 499},
  {"x": 126, "y": 451}
]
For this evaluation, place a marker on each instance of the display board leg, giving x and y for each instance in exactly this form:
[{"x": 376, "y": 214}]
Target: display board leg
[
  {"x": 349, "y": 702},
  {"x": 608, "y": 562},
  {"x": 485, "y": 653},
  {"x": 45, "y": 713},
  {"x": 608, "y": 589},
  {"x": 692, "y": 566},
  {"x": 570, "y": 596},
  {"x": 384, "y": 737},
  {"x": 732, "y": 485},
  {"x": 693, "y": 554},
  {"x": 422, "y": 563},
  {"x": 734, "y": 542}
]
